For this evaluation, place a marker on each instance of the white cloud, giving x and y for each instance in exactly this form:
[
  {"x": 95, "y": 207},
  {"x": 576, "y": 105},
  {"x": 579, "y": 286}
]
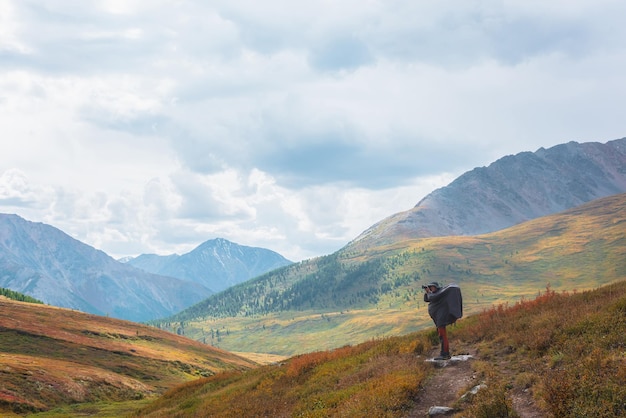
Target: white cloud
[
  {"x": 15, "y": 190},
  {"x": 143, "y": 126}
]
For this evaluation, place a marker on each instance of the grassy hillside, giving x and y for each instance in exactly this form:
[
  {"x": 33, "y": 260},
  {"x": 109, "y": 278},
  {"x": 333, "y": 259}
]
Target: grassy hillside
[
  {"x": 564, "y": 353},
  {"x": 360, "y": 317},
  {"x": 358, "y": 294},
  {"x": 52, "y": 357}
]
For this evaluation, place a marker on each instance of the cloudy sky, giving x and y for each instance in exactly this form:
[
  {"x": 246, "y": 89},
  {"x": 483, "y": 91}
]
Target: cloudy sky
[{"x": 151, "y": 126}]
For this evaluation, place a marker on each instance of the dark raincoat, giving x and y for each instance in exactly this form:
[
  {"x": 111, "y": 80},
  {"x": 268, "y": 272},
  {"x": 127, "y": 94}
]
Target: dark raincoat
[{"x": 445, "y": 305}]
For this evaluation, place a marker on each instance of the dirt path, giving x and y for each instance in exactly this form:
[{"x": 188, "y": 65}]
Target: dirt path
[
  {"x": 453, "y": 378},
  {"x": 445, "y": 387}
]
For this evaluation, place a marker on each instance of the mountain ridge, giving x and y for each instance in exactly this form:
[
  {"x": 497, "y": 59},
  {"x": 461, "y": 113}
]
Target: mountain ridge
[
  {"x": 513, "y": 189},
  {"x": 42, "y": 261},
  {"x": 508, "y": 191},
  {"x": 216, "y": 264}
]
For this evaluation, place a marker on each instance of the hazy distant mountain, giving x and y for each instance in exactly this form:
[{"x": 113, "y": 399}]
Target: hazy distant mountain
[
  {"x": 216, "y": 264},
  {"x": 511, "y": 190},
  {"x": 43, "y": 262},
  {"x": 151, "y": 263}
]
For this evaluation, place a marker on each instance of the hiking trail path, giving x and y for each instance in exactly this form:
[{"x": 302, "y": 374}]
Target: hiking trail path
[{"x": 452, "y": 378}]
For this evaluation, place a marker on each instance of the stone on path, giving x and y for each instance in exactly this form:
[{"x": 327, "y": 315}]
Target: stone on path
[
  {"x": 452, "y": 360},
  {"x": 439, "y": 410}
]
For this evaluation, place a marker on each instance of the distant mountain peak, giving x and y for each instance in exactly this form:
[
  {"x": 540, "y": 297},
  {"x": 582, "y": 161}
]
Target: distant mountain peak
[
  {"x": 219, "y": 243},
  {"x": 216, "y": 264}
]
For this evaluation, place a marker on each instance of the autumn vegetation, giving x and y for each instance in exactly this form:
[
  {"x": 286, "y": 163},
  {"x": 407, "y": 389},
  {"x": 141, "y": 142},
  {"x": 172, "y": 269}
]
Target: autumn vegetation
[
  {"x": 566, "y": 348},
  {"x": 51, "y": 357},
  {"x": 379, "y": 378},
  {"x": 545, "y": 317}
]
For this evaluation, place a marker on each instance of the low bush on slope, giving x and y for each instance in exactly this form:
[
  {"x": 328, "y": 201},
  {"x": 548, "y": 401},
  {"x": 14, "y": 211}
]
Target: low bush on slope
[
  {"x": 567, "y": 349},
  {"x": 378, "y": 378}
]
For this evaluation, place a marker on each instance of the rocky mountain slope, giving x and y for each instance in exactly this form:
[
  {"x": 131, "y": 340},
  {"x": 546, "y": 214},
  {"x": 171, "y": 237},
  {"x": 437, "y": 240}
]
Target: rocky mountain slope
[
  {"x": 216, "y": 264},
  {"x": 43, "y": 262},
  {"x": 511, "y": 190}
]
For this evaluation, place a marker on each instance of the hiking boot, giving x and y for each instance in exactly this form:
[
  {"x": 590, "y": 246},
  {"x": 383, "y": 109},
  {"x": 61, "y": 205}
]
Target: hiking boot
[{"x": 443, "y": 356}]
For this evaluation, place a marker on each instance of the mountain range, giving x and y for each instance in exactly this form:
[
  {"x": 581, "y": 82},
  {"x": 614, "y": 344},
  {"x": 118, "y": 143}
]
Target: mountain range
[
  {"x": 216, "y": 264},
  {"x": 43, "y": 262},
  {"x": 549, "y": 353}
]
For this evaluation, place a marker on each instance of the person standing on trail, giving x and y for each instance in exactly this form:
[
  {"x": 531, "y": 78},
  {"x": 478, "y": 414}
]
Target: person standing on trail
[{"x": 445, "y": 306}]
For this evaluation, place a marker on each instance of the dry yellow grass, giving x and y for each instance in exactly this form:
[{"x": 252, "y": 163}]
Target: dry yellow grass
[{"x": 565, "y": 351}]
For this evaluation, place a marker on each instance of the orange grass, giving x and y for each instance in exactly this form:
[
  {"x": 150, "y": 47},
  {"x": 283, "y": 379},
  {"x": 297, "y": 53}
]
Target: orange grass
[
  {"x": 52, "y": 357},
  {"x": 378, "y": 378},
  {"x": 567, "y": 349},
  {"x": 570, "y": 347}
]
